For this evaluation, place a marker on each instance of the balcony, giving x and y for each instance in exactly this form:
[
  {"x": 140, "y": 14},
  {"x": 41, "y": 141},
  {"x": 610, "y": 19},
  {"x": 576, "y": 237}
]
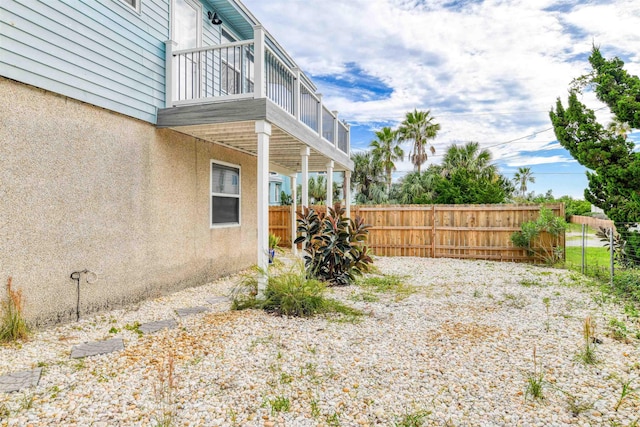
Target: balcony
[{"x": 210, "y": 88}]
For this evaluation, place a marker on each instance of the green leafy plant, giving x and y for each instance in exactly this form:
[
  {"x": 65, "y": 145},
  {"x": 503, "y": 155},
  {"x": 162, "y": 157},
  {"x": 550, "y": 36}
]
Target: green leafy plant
[
  {"x": 414, "y": 419},
  {"x": 334, "y": 245},
  {"x": 274, "y": 241},
  {"x": 619, "y": 252},
  {"x": 618, "y": 330},
  {"x": 387, "y": 284},
  {"x": 531, "y": 238},
  {"x": 285, "y": 199},
  {"x": 279, "y": 404},
  {"x": 5, "y": 412},
  {"x": 134, "y": 327},
  {"x": 547, "y": 305},
  {"x": 290, "y": 293},
  {"x": 315, "y": 409},
  {"x": 12, "y": 323},
  {"x": 535, "y": 380},
  {"x": 333, "y": 420},
  {"x": 576, "y": 407},
  {"x": 627, "y": 392}
]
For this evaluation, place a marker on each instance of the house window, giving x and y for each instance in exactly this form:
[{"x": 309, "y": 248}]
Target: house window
[
  {"x": 135, "y": 4},
  {"x": 225, "y": 194},
  {"x": 278, "y": 190}
]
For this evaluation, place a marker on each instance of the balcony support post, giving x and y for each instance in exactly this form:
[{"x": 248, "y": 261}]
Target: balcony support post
[
  {"x": 259, "y": 89},
  {"x": 330, "y": 165},
  {"x": 294, "y": 208},
  {"x": 304, "y": 153},
  {"x": 347, "y": 192},
  {"x": 263, "y": 132},
  {"x": 169, "y": 82}
]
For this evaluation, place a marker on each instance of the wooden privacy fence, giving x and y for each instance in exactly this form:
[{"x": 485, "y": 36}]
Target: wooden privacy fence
[
  {"x": 447, "y": 231},
  {"x": 591, "y": 222}
]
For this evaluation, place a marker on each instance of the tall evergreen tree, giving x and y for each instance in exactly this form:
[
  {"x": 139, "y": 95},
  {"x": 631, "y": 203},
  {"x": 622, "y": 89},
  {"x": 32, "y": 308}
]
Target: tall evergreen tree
[{"x": 614, "y": 179}]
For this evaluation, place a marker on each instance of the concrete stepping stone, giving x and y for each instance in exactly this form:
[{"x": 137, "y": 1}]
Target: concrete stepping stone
[
  {"x": 217, "y": 300},
  {"x": 188, "y": 311},
  {"x": 151, "y": 327},
  {"x": 97, "y": 347},
  {"x": 18, "y": 380}
]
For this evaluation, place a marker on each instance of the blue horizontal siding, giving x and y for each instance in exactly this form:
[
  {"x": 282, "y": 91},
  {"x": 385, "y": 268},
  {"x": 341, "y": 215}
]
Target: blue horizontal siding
[{"x": 100, "y": 52}]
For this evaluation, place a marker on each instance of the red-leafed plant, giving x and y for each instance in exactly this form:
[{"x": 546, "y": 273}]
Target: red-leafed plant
[{"x": 334, "y": 245}]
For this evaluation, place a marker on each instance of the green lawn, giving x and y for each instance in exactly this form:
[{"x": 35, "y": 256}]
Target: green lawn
[{"x": 595, "y": 258}]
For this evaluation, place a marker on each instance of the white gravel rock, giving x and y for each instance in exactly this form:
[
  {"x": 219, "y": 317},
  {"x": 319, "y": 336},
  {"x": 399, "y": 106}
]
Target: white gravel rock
[{"x": 458, "y": 351}]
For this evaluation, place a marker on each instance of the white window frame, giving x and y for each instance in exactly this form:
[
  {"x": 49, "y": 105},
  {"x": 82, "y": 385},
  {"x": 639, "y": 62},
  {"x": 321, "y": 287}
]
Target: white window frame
[
  {"x": 213, "y": 194},
  {"x": 136, "y": 8}
]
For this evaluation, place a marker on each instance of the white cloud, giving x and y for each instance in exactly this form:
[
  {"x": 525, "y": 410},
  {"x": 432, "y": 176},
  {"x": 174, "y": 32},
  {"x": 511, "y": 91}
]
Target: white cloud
[
  {"x": 489, "y": 72},
  {"x": 522, "y": 161}
]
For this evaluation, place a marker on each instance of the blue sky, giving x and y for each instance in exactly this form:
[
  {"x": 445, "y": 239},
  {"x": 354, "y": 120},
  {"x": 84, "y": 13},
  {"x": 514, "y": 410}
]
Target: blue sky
[{"x": 489, "y": 70}]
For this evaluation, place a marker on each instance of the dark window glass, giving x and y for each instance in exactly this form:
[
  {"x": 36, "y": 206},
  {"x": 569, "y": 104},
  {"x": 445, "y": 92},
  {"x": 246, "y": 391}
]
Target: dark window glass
[{"x": 225, "y": 210}]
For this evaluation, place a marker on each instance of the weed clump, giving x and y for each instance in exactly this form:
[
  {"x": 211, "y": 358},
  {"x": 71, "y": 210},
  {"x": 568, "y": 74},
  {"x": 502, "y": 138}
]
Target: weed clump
[
  {"x": 587, "y": 353},
  {"x": 387, "y": 284},
  {"x": 535, "y": 380},
  {"x": 12, "y": 324}
]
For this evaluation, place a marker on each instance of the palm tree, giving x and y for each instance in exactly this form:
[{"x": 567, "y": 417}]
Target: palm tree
[
  {"x": 418, "y": 187},
  {"x": 471, "y": 158},
  {"x": 418, "y": 127},
  {"x": 367, "y": 179},
  {"x": 317, "y": 190},
  {"x": 521, "y": 178},
  {"x": 386, "y": 151}
]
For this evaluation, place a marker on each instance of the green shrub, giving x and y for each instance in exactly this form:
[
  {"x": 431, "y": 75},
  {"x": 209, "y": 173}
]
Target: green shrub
[
  {"x": 626, "y": 283},
  {"x": 334, "y": 245},
  {"x": 529, "y": 236},
  {"x": 575, "y": 207},
  {"x": 290, "y": 293}
]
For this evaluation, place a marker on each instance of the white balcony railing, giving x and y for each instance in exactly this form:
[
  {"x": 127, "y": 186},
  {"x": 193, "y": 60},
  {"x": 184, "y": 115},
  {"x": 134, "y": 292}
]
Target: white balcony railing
[{"x": 249, "y": 69}]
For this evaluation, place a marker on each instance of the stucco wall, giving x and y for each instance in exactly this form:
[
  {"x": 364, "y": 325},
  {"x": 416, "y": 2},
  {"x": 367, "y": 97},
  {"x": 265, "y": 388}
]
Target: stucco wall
[{"x": 81, "y": 187}]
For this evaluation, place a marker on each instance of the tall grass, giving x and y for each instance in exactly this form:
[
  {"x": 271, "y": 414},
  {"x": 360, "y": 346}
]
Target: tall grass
[
  {"x": 12, "y": 324},
  {"x": 587, "y": 354},
  {"x": 288, "y": 293}
]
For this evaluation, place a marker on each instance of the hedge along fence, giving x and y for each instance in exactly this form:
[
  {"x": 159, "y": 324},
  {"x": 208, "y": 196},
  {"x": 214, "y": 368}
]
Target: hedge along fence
[{"x": 447, "y": 231}]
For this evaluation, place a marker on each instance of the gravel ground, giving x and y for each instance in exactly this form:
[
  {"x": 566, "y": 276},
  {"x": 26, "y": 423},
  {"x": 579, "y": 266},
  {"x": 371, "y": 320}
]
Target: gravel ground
[{"x": 456, "y": 352}]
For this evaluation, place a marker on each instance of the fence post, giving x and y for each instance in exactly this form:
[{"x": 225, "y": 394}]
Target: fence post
[
  {"x": 611, "y": 252},
  {"x": 433, "y": 234},
  {"x": 584, "y": 237}
]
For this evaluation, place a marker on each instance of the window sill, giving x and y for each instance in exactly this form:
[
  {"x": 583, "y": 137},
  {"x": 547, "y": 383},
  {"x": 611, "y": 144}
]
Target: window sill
[{"x": 230, "y": 225}]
